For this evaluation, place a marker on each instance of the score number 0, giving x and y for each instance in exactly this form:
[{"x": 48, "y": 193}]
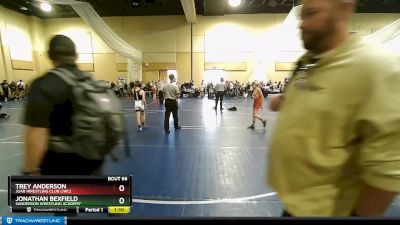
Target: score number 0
[{"x": 121, "y": 188}]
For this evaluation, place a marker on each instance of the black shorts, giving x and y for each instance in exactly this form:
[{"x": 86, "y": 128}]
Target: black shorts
[{"x": 55, "y": 163}]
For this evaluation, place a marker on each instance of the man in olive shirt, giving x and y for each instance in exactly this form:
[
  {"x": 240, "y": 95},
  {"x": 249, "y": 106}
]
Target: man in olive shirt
[
  {"x": 171, "y": 93},
  {"x": 336, "y": 147}
]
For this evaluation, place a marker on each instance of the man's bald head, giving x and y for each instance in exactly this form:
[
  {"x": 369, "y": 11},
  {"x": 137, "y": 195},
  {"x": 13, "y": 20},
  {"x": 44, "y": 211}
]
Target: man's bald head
[{"x": 324, "y": 23}]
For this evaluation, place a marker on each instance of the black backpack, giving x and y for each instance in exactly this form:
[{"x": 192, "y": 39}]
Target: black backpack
[{"x": 97, "y": 120}]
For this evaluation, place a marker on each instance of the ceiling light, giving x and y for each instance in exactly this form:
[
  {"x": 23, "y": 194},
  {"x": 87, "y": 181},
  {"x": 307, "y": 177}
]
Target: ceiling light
[
  {"x": 45, "y": 6},
  {"x": 23, "y": 8},
  {"x": 234, "y": 3}
]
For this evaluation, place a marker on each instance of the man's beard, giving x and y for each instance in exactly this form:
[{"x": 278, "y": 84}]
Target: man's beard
[{"x": 316, "y": 40}]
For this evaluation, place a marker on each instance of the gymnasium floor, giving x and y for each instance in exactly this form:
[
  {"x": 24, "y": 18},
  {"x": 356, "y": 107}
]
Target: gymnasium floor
[{"x": 213, "y": 167}]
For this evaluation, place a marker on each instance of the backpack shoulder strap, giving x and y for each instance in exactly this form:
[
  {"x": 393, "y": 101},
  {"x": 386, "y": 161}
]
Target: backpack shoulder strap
[
  {"x": 69, "y": 77},
  {"x": 65, "y": 75}
]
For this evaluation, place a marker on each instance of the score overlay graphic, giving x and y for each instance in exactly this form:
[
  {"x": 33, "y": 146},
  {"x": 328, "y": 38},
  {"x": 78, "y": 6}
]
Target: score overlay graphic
[{"x": 73, "y": 194}]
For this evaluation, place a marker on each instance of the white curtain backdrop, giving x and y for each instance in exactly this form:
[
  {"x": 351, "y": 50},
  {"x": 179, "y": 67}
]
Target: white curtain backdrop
[
  {"x": 288, "y": 33},
  {"x": 393, "y": 45},
  {"x": 134, "y": 71},
  {"x": 387, "y": 33},
  {"x": 281, "y": 44},
  {"x": 388, "y": 37},
  {"x": 90, "y": 16}
]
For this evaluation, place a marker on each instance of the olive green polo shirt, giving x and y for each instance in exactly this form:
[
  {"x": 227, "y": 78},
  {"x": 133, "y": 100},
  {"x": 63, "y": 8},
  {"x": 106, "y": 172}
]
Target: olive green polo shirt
[{"x": 339, "y": 126}]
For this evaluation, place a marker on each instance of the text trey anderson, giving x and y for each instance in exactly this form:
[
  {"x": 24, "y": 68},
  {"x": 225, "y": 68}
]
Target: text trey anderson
[{"x": 41, "y": 186}]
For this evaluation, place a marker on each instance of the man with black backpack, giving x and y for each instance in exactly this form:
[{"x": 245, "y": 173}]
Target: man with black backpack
[{"x": 72, "y": 121}]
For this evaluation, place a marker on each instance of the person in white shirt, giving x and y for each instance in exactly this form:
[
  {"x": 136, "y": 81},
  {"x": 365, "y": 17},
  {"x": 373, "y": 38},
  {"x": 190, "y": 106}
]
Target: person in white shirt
[
  {"x": 202, "y": 89},
  {"x": 21, "y": 89},
  {"x": 219, "y": 88},
  {"x": 160, "y": 87},
  {"x": 20, "y": 85}
]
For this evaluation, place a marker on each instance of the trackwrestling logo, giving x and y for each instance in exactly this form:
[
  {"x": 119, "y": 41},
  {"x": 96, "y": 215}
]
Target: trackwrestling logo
[{"x": 33, "y": 220}]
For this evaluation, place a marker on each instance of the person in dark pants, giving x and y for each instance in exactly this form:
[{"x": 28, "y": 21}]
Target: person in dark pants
[
  {"x": 5, "y": 87},
  {"x": 171, "y": 93},
  {"x": 219, "y": 88}
]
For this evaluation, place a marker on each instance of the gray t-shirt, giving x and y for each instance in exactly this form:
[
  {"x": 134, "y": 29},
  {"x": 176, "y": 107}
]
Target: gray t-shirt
[
  {"x": 160, "y": 86},
  {"x": 171, "y": 91},
  {"x": 220, "y": 86}
]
